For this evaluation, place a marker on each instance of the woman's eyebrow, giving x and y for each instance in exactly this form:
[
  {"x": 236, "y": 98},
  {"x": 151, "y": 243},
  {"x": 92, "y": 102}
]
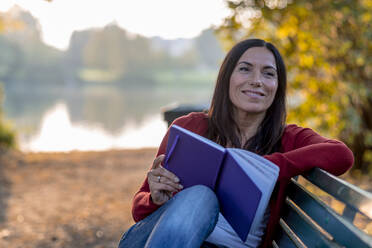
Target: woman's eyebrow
[
  {"x": 270, "y": 67},
  {"x": 265, "y": 67},
  {"x": 245, "y": 62}
]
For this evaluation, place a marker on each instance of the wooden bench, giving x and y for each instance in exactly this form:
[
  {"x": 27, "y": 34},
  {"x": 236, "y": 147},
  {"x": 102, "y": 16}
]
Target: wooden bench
[{"x": 321, "y": 210}]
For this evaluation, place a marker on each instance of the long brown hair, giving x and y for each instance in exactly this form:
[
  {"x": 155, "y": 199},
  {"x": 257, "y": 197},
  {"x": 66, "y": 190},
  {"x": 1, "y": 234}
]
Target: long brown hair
[{"x": 222, "y": 126}]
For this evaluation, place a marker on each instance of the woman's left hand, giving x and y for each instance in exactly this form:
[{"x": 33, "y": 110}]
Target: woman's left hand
[{"x": 162, "y": 182}]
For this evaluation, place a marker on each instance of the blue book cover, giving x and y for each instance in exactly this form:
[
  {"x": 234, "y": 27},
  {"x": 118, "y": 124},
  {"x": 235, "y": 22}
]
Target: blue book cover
[
  {"x": 193, "y": 158},
  {"x": 238, "y": 196},
  {"x": 243, "y": 181}
]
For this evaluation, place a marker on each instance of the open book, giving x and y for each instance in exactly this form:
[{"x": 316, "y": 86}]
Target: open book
[{"x": 243, "y": 181}]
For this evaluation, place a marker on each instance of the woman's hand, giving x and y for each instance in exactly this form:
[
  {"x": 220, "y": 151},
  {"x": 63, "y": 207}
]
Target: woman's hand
[{"x": 162, "y": 182}]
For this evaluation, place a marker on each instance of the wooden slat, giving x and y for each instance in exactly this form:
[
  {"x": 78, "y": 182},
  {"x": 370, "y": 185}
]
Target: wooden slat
[
  {"x": 309, "y": 220},
  {"x": 306, "y": 229},
  {"x": 275, "y": 245},
  {"x": 296, "y": 240},
  {"x": 349, "y": 213},
  {"x": 359, "y": 200},
  {"x": 343, "y": 231},
  {"x": 282, "y": 240}
]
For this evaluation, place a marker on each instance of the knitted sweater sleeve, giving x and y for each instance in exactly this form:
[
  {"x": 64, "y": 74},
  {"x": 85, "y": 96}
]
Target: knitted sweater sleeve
[
  {"x": 142, "y": 203},
  {"x": 304, "y": 149}
]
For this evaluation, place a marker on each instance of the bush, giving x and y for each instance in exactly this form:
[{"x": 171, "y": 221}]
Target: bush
[{"x": 7, "y": 134}]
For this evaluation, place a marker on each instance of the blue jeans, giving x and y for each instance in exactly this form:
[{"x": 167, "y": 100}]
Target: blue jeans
[{"x": 186, "y": 220}]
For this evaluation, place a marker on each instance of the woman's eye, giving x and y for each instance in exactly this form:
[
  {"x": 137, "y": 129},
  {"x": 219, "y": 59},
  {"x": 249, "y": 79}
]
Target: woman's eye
[
  {"x": 269, "y": 74},
  {"x": 244, "y": 69}
]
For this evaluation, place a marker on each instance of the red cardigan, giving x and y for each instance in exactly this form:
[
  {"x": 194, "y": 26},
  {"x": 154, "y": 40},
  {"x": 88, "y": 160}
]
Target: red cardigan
[{"x": 302, "y": 149}]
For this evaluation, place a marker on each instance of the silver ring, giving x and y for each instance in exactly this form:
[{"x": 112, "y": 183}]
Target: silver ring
[{"x": 159, "y": 179}]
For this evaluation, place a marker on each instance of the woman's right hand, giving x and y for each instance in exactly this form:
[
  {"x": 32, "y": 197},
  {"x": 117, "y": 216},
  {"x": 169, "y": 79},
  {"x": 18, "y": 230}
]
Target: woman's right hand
[{"x": 162, "y": 182}]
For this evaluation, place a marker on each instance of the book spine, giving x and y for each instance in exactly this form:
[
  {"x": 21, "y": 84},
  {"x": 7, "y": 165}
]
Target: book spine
[
  {"x": 217, "y": 176},
  {"x": 169, "y": 154}
]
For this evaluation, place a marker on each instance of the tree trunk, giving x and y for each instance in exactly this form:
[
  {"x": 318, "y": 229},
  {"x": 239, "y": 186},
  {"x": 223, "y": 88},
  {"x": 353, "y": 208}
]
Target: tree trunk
[{"x": 359, "y": 149}]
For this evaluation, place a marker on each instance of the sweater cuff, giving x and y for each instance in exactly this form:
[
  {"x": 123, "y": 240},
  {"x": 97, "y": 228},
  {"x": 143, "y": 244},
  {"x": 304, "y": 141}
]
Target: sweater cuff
[{"x": 143, "y": 207}]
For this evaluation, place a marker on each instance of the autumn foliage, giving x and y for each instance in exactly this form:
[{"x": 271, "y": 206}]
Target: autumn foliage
[{"x": 327, "y": 47}]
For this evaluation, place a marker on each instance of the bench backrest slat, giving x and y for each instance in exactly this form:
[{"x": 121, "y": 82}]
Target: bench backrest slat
[
  {"x": 355, "y": 198},
  {"x": 297, "y": 241},
  {"x": 343, "y": 232},
  {"x": 311, "y": 235},
  {"x": 283, "y": 240},
  {"x": 306, "y": 218}
]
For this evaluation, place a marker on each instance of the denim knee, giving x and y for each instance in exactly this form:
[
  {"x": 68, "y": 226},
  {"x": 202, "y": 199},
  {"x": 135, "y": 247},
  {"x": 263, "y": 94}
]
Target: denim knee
[
  {"x": 197, "y": 204},
  {"x": 198, "y": 197},
  {"x": 196, "y": 191},
  {"x": 188, "y": 220}
]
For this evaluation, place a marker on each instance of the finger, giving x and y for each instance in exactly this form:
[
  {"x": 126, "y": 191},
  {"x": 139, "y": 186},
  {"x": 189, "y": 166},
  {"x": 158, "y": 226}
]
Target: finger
[
  {"x": 157, "y": 161},
  {"x": 160, "y": 198},
  {"x": 166, "y": 173},
  {"x": 157, "y": 197},
  {"x": 164, "y": 187},
  {"x": 169, "y": 182},
  {"x": 170, "y": 194},
  {"x": 164, "y": 180},
  {"x": 161, "y": 171}
]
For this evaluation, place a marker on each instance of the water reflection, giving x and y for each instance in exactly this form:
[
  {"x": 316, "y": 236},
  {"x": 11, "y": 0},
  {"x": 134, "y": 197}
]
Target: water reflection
[
  {"x": 94, "y": 117},
  {"x": 58, "y": 133}
]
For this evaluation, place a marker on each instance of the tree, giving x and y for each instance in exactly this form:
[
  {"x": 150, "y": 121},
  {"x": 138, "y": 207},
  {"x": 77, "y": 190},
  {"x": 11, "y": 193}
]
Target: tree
[
  {"x": 209, "y": 49},
  {"x": 327, "y": 46},
  {"x": 10, "y": 58},
  {"x": 7, "y": 135}
]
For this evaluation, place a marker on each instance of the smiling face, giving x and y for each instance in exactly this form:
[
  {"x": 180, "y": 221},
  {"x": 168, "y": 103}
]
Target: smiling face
[{"x": 253, "y": 82}]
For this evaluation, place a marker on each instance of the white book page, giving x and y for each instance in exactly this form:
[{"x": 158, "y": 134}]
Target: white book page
[
  {"x": 266, "y": 166},
  {"x": 263, "y": 172}
]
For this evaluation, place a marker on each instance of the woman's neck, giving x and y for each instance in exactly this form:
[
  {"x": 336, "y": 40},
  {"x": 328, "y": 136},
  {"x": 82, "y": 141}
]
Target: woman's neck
[{"x": 248, "y": 124}]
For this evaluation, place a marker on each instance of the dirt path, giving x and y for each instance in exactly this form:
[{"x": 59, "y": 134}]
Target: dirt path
[{"x": 78, "y": 199}]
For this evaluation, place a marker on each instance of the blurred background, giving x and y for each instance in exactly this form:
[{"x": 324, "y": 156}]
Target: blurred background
[
  {"x": 96, "y": 75},
  {"x": 75, "y": 77}
]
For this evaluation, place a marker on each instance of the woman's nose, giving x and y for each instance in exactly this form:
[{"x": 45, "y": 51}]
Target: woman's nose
[{"x": 256, "y": 79}]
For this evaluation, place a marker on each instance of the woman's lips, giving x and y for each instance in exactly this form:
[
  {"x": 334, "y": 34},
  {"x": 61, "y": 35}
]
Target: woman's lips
[{"x": 253, "y": 93}]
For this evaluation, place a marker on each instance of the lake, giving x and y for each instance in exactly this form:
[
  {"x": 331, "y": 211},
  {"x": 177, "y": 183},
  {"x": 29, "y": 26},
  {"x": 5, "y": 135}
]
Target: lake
[{"x": 96, "y": 117}]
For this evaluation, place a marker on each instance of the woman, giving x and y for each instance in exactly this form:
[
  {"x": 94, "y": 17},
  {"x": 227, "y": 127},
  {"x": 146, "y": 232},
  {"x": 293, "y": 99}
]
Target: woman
[{"x": 247, "y": 111}]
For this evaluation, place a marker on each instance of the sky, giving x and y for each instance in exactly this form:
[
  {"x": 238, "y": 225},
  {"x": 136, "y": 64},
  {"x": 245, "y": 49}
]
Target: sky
[{"x": 169, "y": 19}]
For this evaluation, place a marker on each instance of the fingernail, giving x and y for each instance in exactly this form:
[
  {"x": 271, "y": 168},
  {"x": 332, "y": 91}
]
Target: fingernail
[
  {"x": 180, "y": 186},
  {"x": 176, "y": 179}
]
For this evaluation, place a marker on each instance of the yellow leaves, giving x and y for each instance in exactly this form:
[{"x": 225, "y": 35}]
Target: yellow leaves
[
  {"x": 2, "y": 25},
  {"x": 366, "y": 17},
  {"x": 306, "y": 60},
  {"x": 366, "y": 3},
  {"x": 7, "y": 23},
  {"x": 345, "y": 46},
  {"x": 282, "y": 33},
  {"x": 303, "y": 12},
  {"x": 303, "y": 46},
  {"x": 368, "y": 138},
  {"x": 290, "y": 29},
  {"x": 313, "y": 86},
  {"x": 326, "y": 46},
  {"x": 360, "y": 61}
]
